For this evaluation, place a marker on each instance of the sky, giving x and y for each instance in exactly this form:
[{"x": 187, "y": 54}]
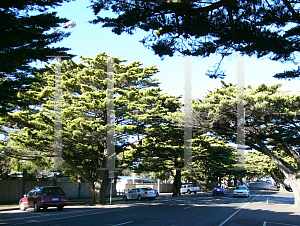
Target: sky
[{"x": 87, "y": 39}]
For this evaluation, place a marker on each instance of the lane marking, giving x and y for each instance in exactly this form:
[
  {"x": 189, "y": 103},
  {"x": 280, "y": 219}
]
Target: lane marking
[
  {"x": 228, "y": 218},
  {"x": 188, "y": 207},
  {"x": 66, "y": 217},
  {"x": 128, "y": 222},
  {"x": 282, "y": 223},
  {"x": 41, "y": 214}
]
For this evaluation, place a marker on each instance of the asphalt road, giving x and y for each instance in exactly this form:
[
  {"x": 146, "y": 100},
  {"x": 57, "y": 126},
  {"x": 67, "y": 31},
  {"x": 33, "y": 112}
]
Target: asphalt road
[{"x": 264, "y": 207}]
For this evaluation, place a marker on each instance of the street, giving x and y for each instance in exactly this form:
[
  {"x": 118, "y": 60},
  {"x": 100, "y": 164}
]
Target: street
[{"x": 265, "y": 207}]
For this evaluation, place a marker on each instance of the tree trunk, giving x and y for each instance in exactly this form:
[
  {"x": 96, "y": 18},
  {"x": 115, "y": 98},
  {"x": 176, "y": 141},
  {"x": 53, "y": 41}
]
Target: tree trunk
[
  {"x": 98, "y": 188},
  {"x": 290, "y": 174},
  {"x": 229, "y": 181},
  {"x": 295, "y": 185},
  {"x": 235, "y": 181},
  {"x": 204, "y": 183},
  {"x": 177, "y": 183}
]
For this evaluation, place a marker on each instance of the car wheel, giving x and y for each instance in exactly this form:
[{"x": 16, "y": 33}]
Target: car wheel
[
  {"x": 125, "y": 198},
  {"x": 60, "y": 208},
  {"x": 36, "y": 207},
  {"x": 45, "y": 208},
  {"x": 195, "y": 192},
  {"x": 188, "y": 191},
  {"x": 214, "y": 194},
  {"x": 140, "y": 198},
  {"x": 22, "y": 206}
]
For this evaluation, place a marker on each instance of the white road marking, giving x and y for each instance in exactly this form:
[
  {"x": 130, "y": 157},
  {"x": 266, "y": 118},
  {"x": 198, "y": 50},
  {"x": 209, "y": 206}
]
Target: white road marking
[
  {"x": 66, "y": 217},
  {"x": 128, "y": 222},
  {"x": 282, "y": 224},
  {"x": 228, "y": 218},
  {"x": 265, "y": 223},
  {"x": 188, "y": 207}
]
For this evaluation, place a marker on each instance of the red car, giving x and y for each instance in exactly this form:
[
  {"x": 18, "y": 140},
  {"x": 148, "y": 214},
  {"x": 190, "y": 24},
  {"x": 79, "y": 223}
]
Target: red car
[{"x": 44, "y": 197}]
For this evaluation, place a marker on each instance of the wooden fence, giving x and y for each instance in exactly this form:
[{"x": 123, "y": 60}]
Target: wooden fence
[{"x": 13, "y": 190}]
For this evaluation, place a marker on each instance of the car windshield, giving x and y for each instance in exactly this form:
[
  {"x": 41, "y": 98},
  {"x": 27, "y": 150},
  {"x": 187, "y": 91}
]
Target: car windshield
[
  {"x": 241, "y": 188},
  {"x": 53, "y": 191}
]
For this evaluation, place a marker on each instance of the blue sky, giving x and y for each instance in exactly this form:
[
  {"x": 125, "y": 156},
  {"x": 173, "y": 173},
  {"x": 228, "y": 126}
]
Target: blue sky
[{"x": 88, "y": 40}]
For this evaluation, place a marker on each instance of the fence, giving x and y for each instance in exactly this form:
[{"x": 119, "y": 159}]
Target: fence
[{"x": 13, "y": 190}]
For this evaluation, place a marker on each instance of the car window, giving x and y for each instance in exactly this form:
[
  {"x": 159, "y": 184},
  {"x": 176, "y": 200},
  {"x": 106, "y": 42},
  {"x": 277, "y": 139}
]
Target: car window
[
  {"x": 138, "y": 190},
  {"x": 241, "y": 188},
  {"x": 53, "y": 191},
  {"x": 30, "y": 194},
  {"x": 37, "y": 192},
  {"x": 147, "y": 189}
]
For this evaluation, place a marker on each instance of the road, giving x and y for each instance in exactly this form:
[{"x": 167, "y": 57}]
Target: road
[{"x": 264, "y": 207}]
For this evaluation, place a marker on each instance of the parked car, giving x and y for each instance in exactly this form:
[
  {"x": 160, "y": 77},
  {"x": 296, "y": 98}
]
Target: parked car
[
  {"x": 44, "y": 197},
  {"x": 288, "y": 187},
  {"x": 241, "y": 191},
  {"x": 189, "y": 188},
  {"x": 140, "y": 193},
  {"x": 218, "y": 190}
]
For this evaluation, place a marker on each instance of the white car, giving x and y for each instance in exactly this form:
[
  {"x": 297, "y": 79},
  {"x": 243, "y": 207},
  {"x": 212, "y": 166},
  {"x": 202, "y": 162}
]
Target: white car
[
  {"x": 189, "y": 188},
  {"x": 140, "y": 193},
  {"x": 241, "y": 191}
]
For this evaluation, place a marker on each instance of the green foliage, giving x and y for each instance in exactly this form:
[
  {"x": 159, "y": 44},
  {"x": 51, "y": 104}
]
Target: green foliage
[
  {"x": 212, "y": 158},
  {"x": 25, "y": 38},
  {"x": 199, "y": 28},
  {"x": 270, "y": 126},
  {"x": 137, "y": 101}
]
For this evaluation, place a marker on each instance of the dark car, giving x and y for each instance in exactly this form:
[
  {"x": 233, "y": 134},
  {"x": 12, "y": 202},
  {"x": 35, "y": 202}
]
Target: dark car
[
  {"x": 288, "y": 187},
  {"x": 44, "y": 197},
  {"x": 218, "y": 190}
]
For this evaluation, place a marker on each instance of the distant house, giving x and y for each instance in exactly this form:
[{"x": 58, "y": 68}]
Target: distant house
[{"x": 123, "y": 180}]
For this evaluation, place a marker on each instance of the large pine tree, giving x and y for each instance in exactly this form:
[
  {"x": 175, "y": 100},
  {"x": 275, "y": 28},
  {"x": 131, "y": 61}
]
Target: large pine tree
[
  {"x": 26, "y": 33},
  {"x": 137, "y": 100}
]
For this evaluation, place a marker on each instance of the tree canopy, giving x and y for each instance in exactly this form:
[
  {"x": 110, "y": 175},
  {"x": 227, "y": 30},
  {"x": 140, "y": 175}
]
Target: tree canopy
[
  {"x": 137, "y": 98},
  {"x": 25, "y": 38},
  {"x": 200, "y": 28},
  {"x": 271, "y": 123}
]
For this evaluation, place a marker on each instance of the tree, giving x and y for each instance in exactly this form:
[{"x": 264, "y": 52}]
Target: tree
[
  {"x": 162, "y": 150},
  {"x": 212, "y": 160},
  {"x": 200, "y": 28},
  {"x": 271, "y": 124},
  {"x": 259, "y": 165},
  {"x": 84, "y": 116},
  {"x": 25, "y": 38}
]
